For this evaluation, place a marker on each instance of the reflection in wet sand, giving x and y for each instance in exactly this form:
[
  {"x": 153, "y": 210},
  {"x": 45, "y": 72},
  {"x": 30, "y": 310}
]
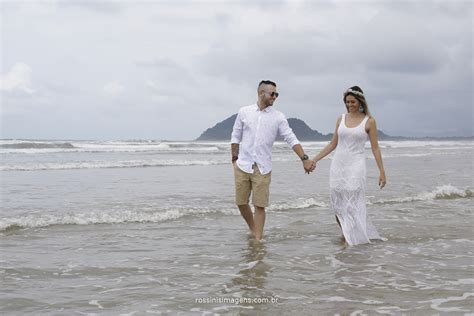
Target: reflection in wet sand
[{"x": 253, "y": 272}]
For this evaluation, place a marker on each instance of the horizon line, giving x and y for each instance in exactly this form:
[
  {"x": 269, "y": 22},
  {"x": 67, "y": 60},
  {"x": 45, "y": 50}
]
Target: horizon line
[{"x": 402, "y": 138}]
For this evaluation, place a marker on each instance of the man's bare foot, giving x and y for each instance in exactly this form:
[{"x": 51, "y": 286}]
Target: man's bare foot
[{"x": 251, "y": 234}]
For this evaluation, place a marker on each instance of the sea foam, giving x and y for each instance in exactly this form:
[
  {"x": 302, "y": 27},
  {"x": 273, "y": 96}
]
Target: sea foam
[
  {"x": 109, "y": 164},
  {"x": 444, "y": 192},
  {"x": 136, "y": 216}
]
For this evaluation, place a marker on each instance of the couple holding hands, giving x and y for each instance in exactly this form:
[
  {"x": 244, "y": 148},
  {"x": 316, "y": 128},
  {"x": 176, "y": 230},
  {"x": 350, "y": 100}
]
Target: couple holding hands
[{"x": 256, "y": 129}]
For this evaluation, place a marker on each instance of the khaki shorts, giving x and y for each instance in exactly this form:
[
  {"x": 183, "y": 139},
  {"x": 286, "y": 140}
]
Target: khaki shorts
[{"x": 252, "y": 182}]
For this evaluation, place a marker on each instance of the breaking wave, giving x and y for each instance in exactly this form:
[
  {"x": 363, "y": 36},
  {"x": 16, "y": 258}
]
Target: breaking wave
[
  {"x": 444, "y": 192},
  {"x": 110, "y": 164},
  {"x": 37, "y": 146},
  {"x": 134, "y": 216}
]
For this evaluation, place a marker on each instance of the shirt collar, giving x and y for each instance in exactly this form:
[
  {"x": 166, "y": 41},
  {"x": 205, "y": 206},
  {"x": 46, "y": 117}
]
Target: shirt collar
[{"x": 267, "y": 109}]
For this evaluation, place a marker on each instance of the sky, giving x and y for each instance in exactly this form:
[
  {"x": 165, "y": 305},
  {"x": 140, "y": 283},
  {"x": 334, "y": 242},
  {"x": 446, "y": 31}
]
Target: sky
[{"x": 168, "y": 70}]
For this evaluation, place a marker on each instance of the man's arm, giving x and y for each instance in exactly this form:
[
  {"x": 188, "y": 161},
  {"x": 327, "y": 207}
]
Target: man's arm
[
  {"x": 236, "y": 137},
  {"x": 289, "y": 136},
  {"x": 308, "y": 164},
  {"x": 235, "y": 152}
]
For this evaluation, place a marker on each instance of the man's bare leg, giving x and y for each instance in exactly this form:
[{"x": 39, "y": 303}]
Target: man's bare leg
[
  {"x": 247, "y": 214},
  {"x": 259, "y": 220}
]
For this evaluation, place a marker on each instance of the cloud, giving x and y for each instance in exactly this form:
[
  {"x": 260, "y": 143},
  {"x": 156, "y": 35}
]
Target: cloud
[
  {"x": 18, "y": 79},
  {"x": 170, "y": 69},
  {"x": 167, "y": 70},
  {"x": 105, "y": 7},
  {"x": 411, "y": 47},
  {"x": 113, "y": 88}
]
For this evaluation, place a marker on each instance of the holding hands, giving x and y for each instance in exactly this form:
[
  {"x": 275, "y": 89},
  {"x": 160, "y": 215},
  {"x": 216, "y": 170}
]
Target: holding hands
[{"x": 309, "y": 166}]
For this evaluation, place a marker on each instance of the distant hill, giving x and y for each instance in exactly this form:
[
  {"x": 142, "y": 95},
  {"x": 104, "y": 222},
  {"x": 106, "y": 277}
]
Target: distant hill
[
  {"x": 220, "y": 131},
  {"x": 304, "y": 133},
  {"x": 223, "y": 130}
]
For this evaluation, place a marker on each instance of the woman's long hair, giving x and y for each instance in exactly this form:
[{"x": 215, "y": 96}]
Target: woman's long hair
[{"x": 357, "y": 93}]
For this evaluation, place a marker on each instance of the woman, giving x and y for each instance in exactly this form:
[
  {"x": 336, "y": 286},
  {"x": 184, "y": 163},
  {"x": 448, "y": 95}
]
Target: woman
[{"x": 348, "y": 171}]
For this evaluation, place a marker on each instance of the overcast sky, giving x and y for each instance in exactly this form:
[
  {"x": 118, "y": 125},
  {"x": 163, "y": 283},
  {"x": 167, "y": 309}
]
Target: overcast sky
[{"x": 78, "y": 69}]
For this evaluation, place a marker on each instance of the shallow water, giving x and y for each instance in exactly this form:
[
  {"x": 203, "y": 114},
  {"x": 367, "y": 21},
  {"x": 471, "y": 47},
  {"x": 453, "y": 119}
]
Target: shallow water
[{"x": 94, "y": 240}]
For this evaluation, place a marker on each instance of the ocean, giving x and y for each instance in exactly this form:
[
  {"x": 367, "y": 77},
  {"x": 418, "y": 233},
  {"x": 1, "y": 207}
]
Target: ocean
[{"x": 142, "y": 227}]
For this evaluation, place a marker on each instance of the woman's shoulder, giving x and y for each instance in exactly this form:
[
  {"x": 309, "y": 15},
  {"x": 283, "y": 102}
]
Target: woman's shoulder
[
  {"x": 339, "y": 120},
  {"x": 370, "y": 124}
]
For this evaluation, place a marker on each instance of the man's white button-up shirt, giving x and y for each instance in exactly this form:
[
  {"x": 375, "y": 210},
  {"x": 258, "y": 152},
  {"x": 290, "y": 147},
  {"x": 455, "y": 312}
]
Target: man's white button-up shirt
[{"x": 256, "y": 130}]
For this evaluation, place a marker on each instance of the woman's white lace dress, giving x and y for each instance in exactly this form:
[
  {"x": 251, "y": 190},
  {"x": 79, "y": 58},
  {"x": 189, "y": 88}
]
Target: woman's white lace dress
[{"x": 347, "y": 182}]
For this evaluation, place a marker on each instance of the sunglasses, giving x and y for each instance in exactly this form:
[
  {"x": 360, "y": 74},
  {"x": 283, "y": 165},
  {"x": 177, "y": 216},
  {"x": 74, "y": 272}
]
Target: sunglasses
[{"x": 273, "y": 94}]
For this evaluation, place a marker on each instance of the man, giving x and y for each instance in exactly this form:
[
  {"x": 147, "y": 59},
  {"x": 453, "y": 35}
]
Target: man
[{"x": 255, "y": 130}]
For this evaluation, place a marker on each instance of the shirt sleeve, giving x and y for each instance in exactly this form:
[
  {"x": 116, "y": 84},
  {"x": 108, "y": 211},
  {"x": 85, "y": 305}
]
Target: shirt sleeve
[
  {"x": 286, "y": 132},
  {"x": 236, "y": 137}
]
